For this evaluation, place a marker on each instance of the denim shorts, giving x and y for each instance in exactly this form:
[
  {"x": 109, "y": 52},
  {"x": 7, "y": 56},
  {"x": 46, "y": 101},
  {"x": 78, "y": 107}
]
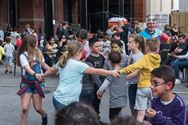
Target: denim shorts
[
  {"x": 32, "y": 89},
  {"x": 57, "y": 105}
]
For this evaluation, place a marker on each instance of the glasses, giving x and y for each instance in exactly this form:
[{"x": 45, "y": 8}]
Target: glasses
[{"x": 156, "y": 84}]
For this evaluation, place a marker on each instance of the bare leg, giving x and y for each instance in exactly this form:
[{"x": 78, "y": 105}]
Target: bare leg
[
  {"x": 37, "y": 103},
  {"x": 10, "y": 68},
  {"x": 140, "y": 116},
  {"x": 6, "y": 68},
  {"x": 25, "y": 103}
]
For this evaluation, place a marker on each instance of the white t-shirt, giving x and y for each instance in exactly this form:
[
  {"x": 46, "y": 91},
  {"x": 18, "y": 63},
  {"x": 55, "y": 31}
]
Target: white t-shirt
[
  {"x": 24, "y": 61},
  {"x": 9, "y": 49}
]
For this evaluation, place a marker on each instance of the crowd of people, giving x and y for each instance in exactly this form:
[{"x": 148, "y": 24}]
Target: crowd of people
[{"x": 124, "y": 58}]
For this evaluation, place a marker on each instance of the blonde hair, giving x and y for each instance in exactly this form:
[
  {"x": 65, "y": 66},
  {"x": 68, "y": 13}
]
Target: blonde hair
[
  {"x": 152, "y": 44},
  {"x": 29, "y": 45},
  {"x": 71, "y": 50},
  {"x": 139, "y": 40}
]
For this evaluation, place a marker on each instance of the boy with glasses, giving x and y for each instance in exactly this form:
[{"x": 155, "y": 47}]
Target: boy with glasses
[{"x": 167, "y": 108}]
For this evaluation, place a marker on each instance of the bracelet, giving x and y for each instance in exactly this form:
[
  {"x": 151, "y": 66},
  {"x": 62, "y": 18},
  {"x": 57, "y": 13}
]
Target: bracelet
[{"x": 34, "y": 74}]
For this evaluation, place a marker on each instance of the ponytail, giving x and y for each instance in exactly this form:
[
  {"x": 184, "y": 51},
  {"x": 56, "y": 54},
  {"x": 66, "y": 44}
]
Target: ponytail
[
  {"x": 71, "y": 50},
  {"x": 63, "y": 59}
]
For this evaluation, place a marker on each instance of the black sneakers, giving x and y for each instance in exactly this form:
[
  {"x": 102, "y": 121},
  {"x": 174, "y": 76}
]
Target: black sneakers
[{"x": 45, "y": 120}]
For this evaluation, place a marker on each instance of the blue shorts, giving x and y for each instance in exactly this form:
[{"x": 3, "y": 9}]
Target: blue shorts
[
  {"x": 32, "y": 89},
  {"x": 8, "y": 60},
  {"x": 57, "y": 105}
]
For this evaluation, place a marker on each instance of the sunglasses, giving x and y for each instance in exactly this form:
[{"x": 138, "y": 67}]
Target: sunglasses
[{"x": 151, "y": 20}]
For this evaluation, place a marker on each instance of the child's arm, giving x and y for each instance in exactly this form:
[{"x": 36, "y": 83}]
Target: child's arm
[
  {"x": 100, "y": 91},
  {"x": 177, "y": 118},
  {"x": 45, "y": 66},
  {"x": 91, "y": 70},
  {"x": 133, "y": 67},
  {"x": 51, "y": 70},
  {"x": 104, "y": 85},
  {"x": 133, "y": 74},
  {"x": 33, "y": 73}
]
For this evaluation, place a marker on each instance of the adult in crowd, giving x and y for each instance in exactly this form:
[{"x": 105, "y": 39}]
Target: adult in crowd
[
  {"x": 175, "y": 30},
  {"x": 151, "y": 30}
]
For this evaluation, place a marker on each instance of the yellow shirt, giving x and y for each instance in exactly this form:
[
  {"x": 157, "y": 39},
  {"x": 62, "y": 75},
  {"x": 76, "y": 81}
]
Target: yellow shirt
[
  {"x": 2, "y": 52},
  {"x": 146, "y": 64}
]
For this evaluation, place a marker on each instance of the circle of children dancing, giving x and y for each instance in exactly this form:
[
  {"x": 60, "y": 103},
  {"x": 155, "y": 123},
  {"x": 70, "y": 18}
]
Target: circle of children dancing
[{"x": 86, "y": 67}]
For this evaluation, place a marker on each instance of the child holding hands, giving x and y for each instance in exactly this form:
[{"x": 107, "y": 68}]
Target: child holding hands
[{"x": 71, "y": 71}]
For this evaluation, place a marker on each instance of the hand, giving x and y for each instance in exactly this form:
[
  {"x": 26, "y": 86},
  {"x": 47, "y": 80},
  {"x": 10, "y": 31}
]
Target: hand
[
  {"x": 150, "y": 113},
  {"x": 175, "y": 56},
  {"x": 40, "y": 77},
  {"x": 115, "y": 73},
  {"x": 99, "y": 94}
]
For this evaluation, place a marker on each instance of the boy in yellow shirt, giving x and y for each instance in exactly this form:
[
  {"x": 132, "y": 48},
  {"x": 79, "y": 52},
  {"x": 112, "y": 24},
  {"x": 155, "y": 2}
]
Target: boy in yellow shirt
[{"x": 144, "y": 66}]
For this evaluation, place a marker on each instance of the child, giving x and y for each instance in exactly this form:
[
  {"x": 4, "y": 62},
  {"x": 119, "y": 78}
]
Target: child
[
  {"x": 97, "y": 60},
  {"x": 167, "y": 108},
  {"x": 18, "y": 41},
  {"x": 77, "y": 114},
  {"x": 117, "y": 87},
  {"x": 30, "y": 58},
  {"x": 89, "y": 80},
  {"x": 146, "y": 64},
  {"x": 116, "y": 47},
  {"x": 116, "y": 36},
  {"x": 82, "y": 36},
  {"x": 9, "y": 50},
  {"x": 2, "y": 51},
  {"x": 71, "y": 71},
  {"x": 136, "y": 47}
]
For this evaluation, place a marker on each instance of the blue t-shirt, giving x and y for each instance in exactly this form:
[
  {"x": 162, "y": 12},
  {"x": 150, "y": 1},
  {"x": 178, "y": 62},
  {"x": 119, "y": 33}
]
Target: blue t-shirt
[
  {"x": 156, "y": 34},
  {"x": 69, "y": 87}
]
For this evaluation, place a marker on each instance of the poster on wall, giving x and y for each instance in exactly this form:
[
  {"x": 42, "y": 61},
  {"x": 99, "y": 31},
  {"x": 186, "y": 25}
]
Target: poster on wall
[{"x": 162, "y": 20}]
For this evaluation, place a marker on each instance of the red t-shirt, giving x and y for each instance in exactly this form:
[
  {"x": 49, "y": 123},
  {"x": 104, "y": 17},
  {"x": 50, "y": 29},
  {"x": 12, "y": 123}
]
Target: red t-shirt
[{"x": 18, "y": 43}]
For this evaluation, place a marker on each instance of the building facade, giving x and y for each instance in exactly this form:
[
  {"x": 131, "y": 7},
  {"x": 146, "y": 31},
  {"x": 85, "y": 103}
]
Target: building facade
[{"x": 45, "y": 15}]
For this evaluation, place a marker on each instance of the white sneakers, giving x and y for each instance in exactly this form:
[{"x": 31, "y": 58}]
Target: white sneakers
[{"x": 177, "y": 81}]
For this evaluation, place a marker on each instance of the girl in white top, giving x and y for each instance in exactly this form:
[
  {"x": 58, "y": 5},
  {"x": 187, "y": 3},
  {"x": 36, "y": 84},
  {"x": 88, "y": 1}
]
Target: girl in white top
[
  {"x": 136, "y": 48},
  {"x": 71, "y": 71},
  {"x": 30, "y": 58}
]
